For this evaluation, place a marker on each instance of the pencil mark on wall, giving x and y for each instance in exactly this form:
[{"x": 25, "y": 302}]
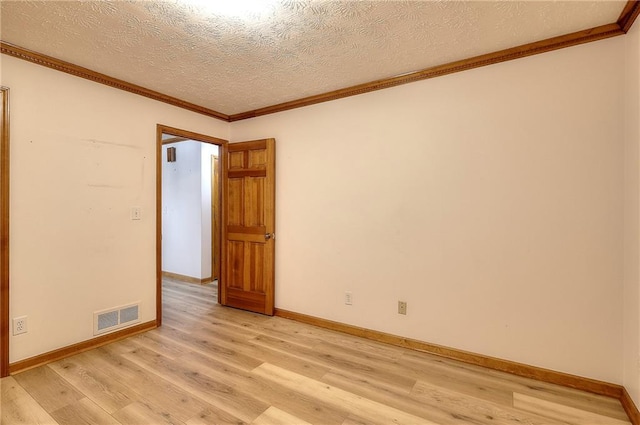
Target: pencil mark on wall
[
  {"x": 107, "y": 186},
  {"x": 103, "y": 142}
]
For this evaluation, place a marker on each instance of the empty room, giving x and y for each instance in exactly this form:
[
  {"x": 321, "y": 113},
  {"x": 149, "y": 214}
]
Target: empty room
[{"x": 412, "y": 212}]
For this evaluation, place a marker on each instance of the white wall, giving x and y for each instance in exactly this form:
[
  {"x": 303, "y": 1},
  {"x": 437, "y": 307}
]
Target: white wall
[
  {"x": 182, "y": 210},
  {"x": 82, "y": 154},
  {"x": 206, "y": 152},
  {"x": 490, "y": 200},
  {"x": 631, "y": 299}
]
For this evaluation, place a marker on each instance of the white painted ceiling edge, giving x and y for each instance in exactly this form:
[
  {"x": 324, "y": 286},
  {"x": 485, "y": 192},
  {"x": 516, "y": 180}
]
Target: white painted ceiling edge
[{"x": 287, "y": 50}]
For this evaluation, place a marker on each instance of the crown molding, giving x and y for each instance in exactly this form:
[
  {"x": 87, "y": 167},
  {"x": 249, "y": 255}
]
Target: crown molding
[
  {"x": 529, "y": 49},
  {"x": 629, "y": 14},
  {"x": 78, "y": 71}
]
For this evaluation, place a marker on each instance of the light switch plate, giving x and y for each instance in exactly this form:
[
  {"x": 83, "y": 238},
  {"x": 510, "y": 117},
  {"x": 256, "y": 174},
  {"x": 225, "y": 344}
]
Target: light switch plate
[{"x": 136, "y": 213}]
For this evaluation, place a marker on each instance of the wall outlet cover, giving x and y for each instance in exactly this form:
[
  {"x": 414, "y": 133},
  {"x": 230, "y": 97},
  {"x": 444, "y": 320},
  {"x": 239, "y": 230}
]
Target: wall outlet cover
[
  {"x": 402, "y": 307},
  {"x": 20, "y": 325}
]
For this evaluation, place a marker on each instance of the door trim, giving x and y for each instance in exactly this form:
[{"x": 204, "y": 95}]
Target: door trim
[
  {"x": 4, "y": 232},
  {"x": 216, "y": 225},
  {"x": 187, "y": 135}
]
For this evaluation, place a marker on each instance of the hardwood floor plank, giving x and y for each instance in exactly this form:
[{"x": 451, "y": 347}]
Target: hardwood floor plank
[
  {"x": 271, "y": 393},
  {"x": 154, "y": 392},
  {"x": 46, "y": 386},
  {"x": 153, "y": 341},
  {"x": 215, "y": 417},
  {"x": 222, "y": 329},
  {"x": 577, "y": 399},
  {"x": 102, "y": 389},
  {"x": 213, "y": 346},
  {"x": 381, "y": 393},
  {"x": 460, "y": 380},
  {"x": 295, "y": 364},
  {"x": 325, "y": 336},
  {"x": 274, "y": 416},
  {"x": 19, "y": 407},
  {"x": 494, "y": 385},
  {"x": 332, "y": 360},
  {"x": 369, "y": 409},
  {"x": 139, "y": 413},
  {"x": 469, "y": 409},
  {"x": 352, "y": 420},
  {"x": 272, "y": 328},
  {"x": 83, "y": 412},
  {"x": 189, "y": 321},
  {"x": 558, "y": 411},
  {"x": 266, "y": 354},
  {"x": 438, "y": 404},
  {"x": 192, "y": 380},
  {"x": 198, "y": 295}
]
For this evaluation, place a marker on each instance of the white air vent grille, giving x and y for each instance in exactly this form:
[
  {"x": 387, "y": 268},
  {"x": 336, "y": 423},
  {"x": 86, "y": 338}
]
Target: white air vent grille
[
  {"x": 107, "y": 320},
  {"x": 115, "y": 318},
  {"x": 129, "y": 314}
]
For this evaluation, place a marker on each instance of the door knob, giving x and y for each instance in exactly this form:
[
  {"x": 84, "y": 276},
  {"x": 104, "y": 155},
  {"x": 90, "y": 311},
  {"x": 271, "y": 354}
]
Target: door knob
[{"x": 268, "y": 236}]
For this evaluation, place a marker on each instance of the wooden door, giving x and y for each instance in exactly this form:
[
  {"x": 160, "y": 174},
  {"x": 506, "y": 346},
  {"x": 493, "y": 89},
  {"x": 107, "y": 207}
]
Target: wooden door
[{"x": 249, "y": 226}]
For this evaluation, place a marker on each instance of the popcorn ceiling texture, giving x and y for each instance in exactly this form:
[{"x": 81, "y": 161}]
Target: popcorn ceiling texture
[{"x": 292, "y": 50}]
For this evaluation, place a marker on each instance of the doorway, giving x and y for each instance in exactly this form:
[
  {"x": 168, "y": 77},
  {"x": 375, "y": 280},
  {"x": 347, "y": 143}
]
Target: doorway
[
  {"x": 187, "y": 208},
  {"x": 188, "y": 204}
]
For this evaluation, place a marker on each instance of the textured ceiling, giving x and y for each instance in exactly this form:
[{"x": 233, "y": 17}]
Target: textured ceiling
[{"x": 290, "y": 50}]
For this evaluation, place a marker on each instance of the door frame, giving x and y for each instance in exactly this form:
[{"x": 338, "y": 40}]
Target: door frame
[
  {"x": 4, "y": 232},
  {"x": 216, "y": 225},
  {"x": 222, "y": 151}
]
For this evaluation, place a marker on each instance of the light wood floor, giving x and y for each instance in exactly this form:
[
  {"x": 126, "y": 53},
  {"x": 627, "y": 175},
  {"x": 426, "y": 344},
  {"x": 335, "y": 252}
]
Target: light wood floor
[{"x": 213, "y": 365}]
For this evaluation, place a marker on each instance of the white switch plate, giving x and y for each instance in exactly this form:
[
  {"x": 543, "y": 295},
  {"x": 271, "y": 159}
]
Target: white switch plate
[
  {"x": 348, "y": 298},
  {"x": 136, "y": 213}
]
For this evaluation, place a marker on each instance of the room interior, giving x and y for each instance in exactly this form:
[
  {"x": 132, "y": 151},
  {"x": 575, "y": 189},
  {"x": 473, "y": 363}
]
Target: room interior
[{"x": 500, "y": 200}]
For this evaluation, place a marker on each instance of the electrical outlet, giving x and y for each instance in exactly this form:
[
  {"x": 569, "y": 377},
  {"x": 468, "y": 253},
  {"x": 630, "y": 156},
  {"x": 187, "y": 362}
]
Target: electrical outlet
[
  {"x": 348, "y": 298},
  {"x": 20, "y": 325},
  {"x": 402, "y": 307}
]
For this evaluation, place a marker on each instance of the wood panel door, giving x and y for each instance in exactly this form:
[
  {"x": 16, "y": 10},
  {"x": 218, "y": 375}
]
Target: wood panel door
[{"x": 248, "y": 234}]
